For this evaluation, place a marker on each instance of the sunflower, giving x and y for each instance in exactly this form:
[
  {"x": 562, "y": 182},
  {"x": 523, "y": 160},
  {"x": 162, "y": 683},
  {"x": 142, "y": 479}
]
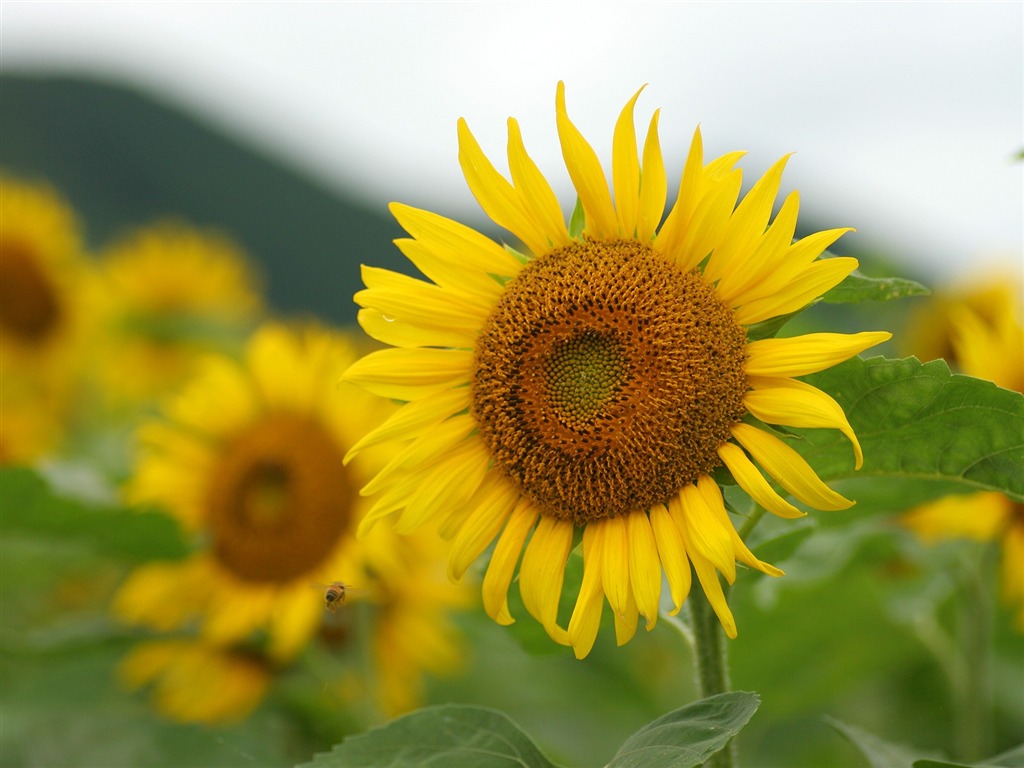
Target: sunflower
[
  {"x": 249, "y": 460},
  {"x": 985, "y": 338},
  {"x": 167, "y": 294},
  {"x": 42, "y": 321},
  {"x": 591, "y": 386}
]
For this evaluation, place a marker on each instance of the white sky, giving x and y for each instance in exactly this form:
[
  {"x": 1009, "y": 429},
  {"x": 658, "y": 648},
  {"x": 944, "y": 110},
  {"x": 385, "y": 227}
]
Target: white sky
[{"x": 904, "y": 116}]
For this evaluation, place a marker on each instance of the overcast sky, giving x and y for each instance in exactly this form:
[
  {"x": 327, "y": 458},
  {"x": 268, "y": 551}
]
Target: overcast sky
[{"x": 904, "y": 117}]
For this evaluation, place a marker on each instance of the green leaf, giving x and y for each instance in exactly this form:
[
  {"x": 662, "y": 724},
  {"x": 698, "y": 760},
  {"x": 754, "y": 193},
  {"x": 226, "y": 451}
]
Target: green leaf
[
  {"x": 1013, "y": 758},
  {"x": 690, "y": 735},
  {"x": 448, "y": 736},
  {"x": 879, "y": 753},
  {"x": 857, "y": 288},
  {"x": 917, "y": 421},
  {"x": 30, "y": 507},
  {"x": 578, "y": 220}
]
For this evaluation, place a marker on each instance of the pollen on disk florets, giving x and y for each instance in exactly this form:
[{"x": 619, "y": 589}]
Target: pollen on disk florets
[
  {"x": 606, "y": 378},
  {"x": 278, "y": 499}
]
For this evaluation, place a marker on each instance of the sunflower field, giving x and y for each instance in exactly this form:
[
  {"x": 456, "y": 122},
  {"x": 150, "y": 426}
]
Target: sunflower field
[{"x": 659, "y": 476}]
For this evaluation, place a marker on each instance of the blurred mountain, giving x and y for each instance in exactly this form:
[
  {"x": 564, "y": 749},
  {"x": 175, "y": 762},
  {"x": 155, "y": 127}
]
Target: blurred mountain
[{"x": 123, "y": 158}]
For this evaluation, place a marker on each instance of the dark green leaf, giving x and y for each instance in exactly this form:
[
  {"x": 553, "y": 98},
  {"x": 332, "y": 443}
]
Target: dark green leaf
[
  {"x": 690, "y": 735},
  {"x": 917, "y": 421},
  {"x": 448, "y": 736},
  {"x": 879, "y": 753},
  {"x": 857, "y": 288},
  {"x": 30, "y": 507}
]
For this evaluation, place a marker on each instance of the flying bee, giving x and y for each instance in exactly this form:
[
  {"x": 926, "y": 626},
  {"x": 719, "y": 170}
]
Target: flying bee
[{"x": 335, "y": 594}]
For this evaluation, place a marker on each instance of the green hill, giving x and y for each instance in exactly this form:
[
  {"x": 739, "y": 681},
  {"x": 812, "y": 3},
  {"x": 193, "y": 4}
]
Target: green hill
[{"x": 123, "y": 158}]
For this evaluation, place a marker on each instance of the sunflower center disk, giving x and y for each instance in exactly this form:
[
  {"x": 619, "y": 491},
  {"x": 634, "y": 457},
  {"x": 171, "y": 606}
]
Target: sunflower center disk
[
  {"x": 278, "y": 501},
  {"x": 606, "y": 379},
  {"x": 29, "y": 309}
]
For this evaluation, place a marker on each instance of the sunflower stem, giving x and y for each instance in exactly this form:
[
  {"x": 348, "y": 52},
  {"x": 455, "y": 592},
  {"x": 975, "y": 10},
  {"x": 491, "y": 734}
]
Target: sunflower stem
[
  {"x": 752, "y": 520},
  {"x": 710, "y": 661}
]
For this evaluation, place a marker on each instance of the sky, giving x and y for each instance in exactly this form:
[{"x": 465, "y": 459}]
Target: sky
[{"x": 904, "y": 117}]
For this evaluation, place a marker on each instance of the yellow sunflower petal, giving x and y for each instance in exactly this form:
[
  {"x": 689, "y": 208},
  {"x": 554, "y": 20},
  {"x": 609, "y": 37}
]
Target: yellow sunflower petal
[
  {"x": 472, "y": 283},
  {"x": 502, "y": 567},
  {"x": 294, "y": 618},
  {"x": 672, "y": 551},
  {"x": 812, "y": 352},
  {"x": 535, "y": 193},
  {"x": 977, "y": 516},
  {"x": 712, "y": 496},
  {"x": 644, "y": 566},
  {"x": 456, "y": 243},
  {"x": 813, "y": 282},
  {"x": 410, "y": 335},
  {"x": 625, "y": 622},
  {"x": 797, "y": 404},
  {"x": 653, "y": 185},
  {"x": 586, "y": 614},
  {"x": 408, "y": 374},
  {"x": 746, "y": 225},
  {"x": 413, "y": 417},
  {"x": 406, "y": 298},
  {"x": 543, "y": 571},
  {"x": 763, "y": 258},
  {"x": 626, "y": 169},
  {"x": 753, "y": 482},
  {"x": 706, "y": 538},
  {"x": 495, "y": 194},
  {"x": 586, "y": 173},
  {"x": 615, "y": 563},
  {"x": 426, "y": 450},
  {"x": 708, "y": 577},
  {"x": 788, "y": 468},
  {"x": 494, "y": 503},
  {"x": 449, "y": 484}
]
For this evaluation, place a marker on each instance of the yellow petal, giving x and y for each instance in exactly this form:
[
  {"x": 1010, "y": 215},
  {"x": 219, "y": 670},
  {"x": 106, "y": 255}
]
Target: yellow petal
[
  {"x": 502, "y": 567},
  {"x": 625, "y": 622},
  {"x": 615, "y": 563},
  {"x": 586, "y": 174},
  {"x": 746, "y": 225},
  {"x": 751, "y": 481},
  {"x": 705, "y": 536},
  {"x": 807, "y": 286},
  {"x": 797, "y": 404},
  {"x": 586, "y": 614},
  {"x": 788, "y": 468},
  {"x": 644, "y": 566},
  {"x": 812, "y": 352},
  {"x": 764, "y": 258},
  {"x": 294, "y": 618},
  {"x": 448, "y": 486},
  {"x": 429, "y": 448},
  {"x": 473, "y": 284},
  {"x": 626, "y": 169},
  {"x": 456, "y": 243},
  {"x": 543, "y": 571},
  {"x": 406, "y": 298},
  {"x": 712, "y": 496},
  {"x": 409, "y": 374},
  {"x": 410, "y": 334},
  {"x": 653, "y": 185},
  {"x": 672, "y": 551},
  {"x": 495, "y": 194},
  {"x": 534, "y": 192},
  {"x": 712, "y": 587},
  {"x": 493, "y": 505},
  {"x": 410, "y": 419}
]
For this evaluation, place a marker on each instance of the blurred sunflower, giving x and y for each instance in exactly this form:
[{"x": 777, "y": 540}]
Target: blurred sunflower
[
  {"x": 249, "y": 460},
  {"x": 167, "y": 294},
  {"x": 198, "y": 682},
  {"x": 43, "y": 271},
  {"x": 592, "y": 386},
  {"x": 985, "y": 338}
]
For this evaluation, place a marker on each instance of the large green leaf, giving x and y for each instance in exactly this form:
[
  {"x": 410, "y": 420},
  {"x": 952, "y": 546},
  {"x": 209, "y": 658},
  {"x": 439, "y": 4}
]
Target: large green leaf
[
  {"x": 690, "y": 735},
  {"x": 448, "y": 736},
  {"x": 857, "y": 288},
  {"x": 917, "y": 421},
  {"x": 879, "y": 753},
  {"x": 1013, "y": 758},
  {"x": 30, "y": 507}
]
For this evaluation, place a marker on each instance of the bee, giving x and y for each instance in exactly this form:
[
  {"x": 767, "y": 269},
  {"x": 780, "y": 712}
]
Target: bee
[{"x": 334, "y": 595}]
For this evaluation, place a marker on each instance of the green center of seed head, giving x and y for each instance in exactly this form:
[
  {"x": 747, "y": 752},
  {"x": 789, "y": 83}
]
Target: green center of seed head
[{"x": 583, "y": 373}]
